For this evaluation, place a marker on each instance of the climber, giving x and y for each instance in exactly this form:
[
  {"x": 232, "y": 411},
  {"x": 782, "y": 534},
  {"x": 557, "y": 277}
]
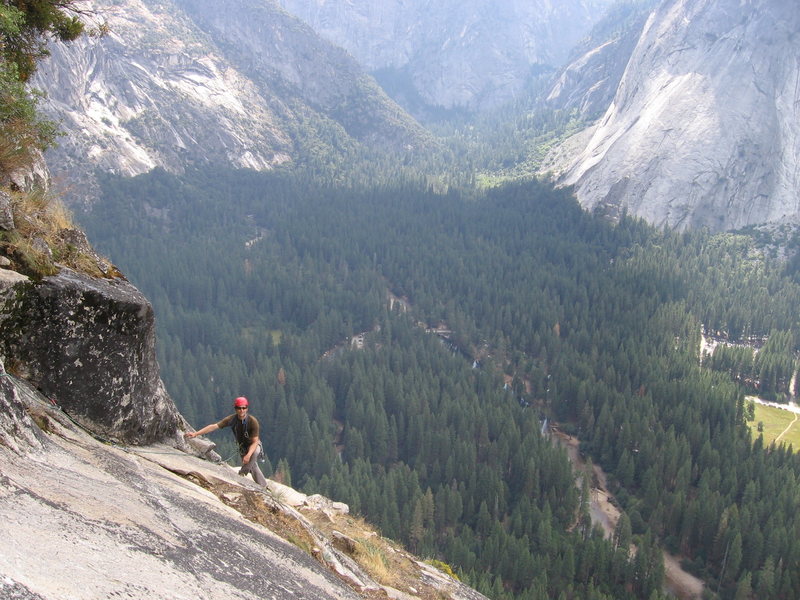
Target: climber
[{"x": 245, "y": 430}]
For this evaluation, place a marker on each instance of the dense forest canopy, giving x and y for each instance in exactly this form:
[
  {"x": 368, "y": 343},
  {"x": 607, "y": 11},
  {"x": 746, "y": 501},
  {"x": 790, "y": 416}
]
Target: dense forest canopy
[{"x": 407, "y": 346}]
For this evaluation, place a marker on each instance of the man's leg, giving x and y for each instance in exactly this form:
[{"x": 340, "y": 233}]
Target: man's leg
[
  {"x": 258, "y": 476},
  {"x": 254, "y": 470}
]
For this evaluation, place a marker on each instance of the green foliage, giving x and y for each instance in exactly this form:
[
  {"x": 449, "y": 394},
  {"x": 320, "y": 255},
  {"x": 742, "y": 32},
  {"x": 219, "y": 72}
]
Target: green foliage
[
  {"x": 24, "y": 26},
  {"x": 443, "y": 567},
  {"x": 24, "y": 30},
  {"x": 22, "y": 130}
]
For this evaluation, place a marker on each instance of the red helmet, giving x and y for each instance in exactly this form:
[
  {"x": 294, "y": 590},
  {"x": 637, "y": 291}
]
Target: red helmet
[{"x": 240, "y": 401}]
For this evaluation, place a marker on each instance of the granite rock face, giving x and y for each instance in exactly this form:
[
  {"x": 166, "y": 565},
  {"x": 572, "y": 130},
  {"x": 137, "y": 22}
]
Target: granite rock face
[
  {"x": 279, "y": 52},
  {"x": 169, "y": 86},
  {"x": 17, "y": 432},
  {"x": 704, "y": 129},
  {"x": 89, "y": 345},
  {"x": 83, "y": 520},
  {"x": 589, "y": 80}
]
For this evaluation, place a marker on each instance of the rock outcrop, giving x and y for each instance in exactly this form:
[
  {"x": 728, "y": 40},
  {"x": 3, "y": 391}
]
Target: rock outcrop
[
  {"x": 85, "y": 520},
  {"x": 704, "y": 129},
  {"x": 6, "y": 213},
  {"x": 81, "y": 519},
  {"x": 88, "y": 344}
]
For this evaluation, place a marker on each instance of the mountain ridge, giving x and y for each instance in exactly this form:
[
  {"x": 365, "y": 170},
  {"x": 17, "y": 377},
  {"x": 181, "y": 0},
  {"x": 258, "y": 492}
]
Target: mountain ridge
[
  {"x": 158, "y": 90},
  {"x": 473, "y": 55}
]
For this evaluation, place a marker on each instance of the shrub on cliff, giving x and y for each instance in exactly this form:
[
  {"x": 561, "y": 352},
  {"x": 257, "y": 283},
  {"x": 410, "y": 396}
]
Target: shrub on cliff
[{"x": 25, "y": 27}]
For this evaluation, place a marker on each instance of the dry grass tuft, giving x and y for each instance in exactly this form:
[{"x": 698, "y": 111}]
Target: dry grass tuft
[
  {"x": 386, "y": 562},
  {"x": 18, "y": 144},
  {"x": 373, "y": 559},
  {"x": 45, "y": 237}
]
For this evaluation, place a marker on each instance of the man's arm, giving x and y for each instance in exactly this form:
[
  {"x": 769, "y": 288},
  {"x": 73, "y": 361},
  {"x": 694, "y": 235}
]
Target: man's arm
[{"x": 203, "y": 431}]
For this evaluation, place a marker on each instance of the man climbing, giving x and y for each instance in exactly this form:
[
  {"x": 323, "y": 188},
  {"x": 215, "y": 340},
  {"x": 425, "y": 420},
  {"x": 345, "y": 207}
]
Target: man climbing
[{"x": 245, "y": 430}]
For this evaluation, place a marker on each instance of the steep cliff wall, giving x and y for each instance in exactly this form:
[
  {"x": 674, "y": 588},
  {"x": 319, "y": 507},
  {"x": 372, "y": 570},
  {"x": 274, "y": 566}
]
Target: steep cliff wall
[
  {"x": 704, "y": 129},
  {"x": 589, "y": 80},
  {"x": 468, "y": 54}
]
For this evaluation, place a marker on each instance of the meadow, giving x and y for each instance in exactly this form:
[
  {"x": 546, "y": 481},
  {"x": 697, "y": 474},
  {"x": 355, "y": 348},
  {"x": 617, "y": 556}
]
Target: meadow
[{"x": 778, "y": 425}]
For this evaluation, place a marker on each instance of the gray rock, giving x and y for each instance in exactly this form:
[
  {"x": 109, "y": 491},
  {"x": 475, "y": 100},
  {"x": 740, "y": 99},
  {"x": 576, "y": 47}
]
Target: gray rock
[
  {"x": 704, "y": 130},
  {"x": 326, "y": 505},
  {"x": 134, "y": 525},
  {"x": 33, "y": 175},
  {"x": 590, "y": 79},
  {"x": 17, "y": 432},
  {"x": 13, "y": 590},
  {"x": 85, "y": 520},
  {"x": 6, "y": 214},
  {"x": 88, "y": 344},
  {"x": 42, "y": 247},
  {"x": 8, "y": 279}
]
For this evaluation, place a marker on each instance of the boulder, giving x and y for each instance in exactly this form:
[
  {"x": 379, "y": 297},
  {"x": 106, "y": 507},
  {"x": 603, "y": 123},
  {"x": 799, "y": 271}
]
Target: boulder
[
  {"x": 89, "y": 345},
  {"x": 326, "y": 505}
]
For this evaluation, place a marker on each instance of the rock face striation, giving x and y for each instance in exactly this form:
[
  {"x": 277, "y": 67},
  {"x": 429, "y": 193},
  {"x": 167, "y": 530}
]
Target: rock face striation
[
  {"x": 174, "y": 84},
  {"x": 455, "y": 54},
  {"x": 704, "y": 128},
  {"x": 591, "y": 76}
]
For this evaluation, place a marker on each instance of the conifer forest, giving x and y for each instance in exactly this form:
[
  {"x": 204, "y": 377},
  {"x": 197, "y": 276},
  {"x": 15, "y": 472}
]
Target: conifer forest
[{"x": 409, "y": 347}]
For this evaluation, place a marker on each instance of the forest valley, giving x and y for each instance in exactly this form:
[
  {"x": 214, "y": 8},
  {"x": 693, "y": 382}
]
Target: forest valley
[{"x": 555, "y": 315}]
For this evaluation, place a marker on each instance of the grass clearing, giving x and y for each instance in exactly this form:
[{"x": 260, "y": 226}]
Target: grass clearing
[{"x": 776, "y": 422}]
